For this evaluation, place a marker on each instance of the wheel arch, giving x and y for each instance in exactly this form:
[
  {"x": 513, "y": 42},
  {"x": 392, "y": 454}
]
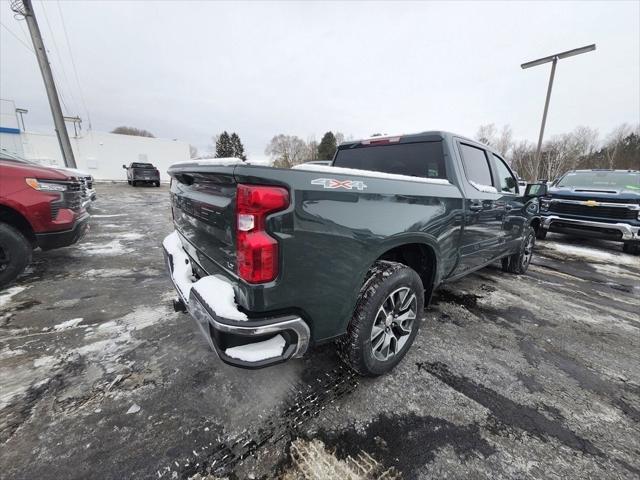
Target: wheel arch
[{"x": 17, "y": 220}]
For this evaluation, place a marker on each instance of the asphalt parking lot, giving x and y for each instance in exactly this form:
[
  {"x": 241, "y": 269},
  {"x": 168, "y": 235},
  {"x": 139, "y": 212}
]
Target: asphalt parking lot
[{"x": 534, "y": 376}]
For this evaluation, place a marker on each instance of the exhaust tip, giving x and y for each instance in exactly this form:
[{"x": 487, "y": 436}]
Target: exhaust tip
[{"x": 179, "y": 306}]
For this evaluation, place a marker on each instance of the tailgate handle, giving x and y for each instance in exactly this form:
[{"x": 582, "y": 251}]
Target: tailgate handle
[{"x": 185, "y": 178}]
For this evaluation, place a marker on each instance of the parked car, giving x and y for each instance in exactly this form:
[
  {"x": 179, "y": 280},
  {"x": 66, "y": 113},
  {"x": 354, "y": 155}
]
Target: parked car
[
  {"x": 86, "y": 179},
  {"x": 594, "y": 203},
  {"x": 39, "y": 207},
  {"x": 86, "y": 182},
  {"x": 138, "y": 173},
  {"x": 269, "y": 261}
]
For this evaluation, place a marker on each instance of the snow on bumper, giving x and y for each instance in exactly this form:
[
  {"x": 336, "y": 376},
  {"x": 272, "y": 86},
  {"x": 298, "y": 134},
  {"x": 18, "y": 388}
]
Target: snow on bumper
[{"x": 238, "y": 340}]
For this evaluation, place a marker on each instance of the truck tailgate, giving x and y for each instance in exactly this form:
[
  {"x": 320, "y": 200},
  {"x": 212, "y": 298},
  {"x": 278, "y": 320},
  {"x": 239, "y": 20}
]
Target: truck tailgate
[{"x": 202, "y": 200}]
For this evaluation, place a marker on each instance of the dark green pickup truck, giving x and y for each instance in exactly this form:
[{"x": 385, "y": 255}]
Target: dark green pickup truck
[{"x": 269, "y": 261}]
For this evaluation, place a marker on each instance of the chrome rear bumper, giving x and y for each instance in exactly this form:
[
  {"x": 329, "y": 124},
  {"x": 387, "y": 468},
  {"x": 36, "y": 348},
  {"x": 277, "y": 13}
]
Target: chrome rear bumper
[{"x": 222, "y": 333}]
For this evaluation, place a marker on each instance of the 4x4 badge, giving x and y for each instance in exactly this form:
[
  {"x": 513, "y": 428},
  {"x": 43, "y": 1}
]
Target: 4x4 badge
[{"x": 332, "y": 183}]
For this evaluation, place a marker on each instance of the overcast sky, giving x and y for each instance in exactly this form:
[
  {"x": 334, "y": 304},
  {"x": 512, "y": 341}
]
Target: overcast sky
[{"x": 189, "y": 70}]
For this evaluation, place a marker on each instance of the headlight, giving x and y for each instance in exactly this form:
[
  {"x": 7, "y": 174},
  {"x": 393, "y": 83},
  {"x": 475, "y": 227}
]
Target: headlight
[
  {"x": 45, "y": 186},
  {"x": 544, "y": 204}
]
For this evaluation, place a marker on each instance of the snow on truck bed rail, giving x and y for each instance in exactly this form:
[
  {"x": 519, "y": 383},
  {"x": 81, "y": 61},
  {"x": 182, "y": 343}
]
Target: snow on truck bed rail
[
  {"x": 369, "y": 173},
  {"x": 216, "y": 293}
]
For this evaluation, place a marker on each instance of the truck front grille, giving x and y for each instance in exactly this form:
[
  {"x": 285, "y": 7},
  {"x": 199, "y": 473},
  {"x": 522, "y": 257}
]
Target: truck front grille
[
  {"x": 613, "y": 213},
  {"x": 71, "y": 199}
]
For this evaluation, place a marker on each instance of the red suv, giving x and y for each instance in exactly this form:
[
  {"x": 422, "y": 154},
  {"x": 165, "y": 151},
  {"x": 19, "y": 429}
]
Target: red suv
[{"x": 39, "y": 207}]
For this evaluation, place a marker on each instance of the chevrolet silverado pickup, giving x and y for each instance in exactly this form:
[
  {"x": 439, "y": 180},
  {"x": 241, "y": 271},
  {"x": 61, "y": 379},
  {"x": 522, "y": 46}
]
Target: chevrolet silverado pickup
[
  {"x": 594, "y": 203},
  {"x": 39, "y": 207},
  {"x": 141, "y": 173},
  {"x": 269, "y": 261}
]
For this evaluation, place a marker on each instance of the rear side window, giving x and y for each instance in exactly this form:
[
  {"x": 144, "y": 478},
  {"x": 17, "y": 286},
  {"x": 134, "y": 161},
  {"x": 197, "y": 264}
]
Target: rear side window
[
  {"x": 476, "y": 165},
  {"x": 506, "y": 181},
  {"x": 424, "y": 159}
]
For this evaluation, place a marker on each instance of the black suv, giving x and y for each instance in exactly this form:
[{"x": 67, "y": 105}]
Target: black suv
[
  {"x": 138, "y": 173},
  {"x": 594, "y": 203}
]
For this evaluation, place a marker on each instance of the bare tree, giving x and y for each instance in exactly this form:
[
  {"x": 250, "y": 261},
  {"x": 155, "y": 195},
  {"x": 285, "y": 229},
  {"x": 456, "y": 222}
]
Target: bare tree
[
  {"x": 502, "y": 142},
  {"x": 614, "y": 142},
  {"x": 523, "y": 160},
  {"x": 136, "y": 132},
  {"x": 287, "y": 150},
  {"x": 312, "y": 148}
]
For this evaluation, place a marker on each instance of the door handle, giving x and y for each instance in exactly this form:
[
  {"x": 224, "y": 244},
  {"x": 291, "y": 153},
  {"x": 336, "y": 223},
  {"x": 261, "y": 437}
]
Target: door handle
[{"x": 475, "y": 207}]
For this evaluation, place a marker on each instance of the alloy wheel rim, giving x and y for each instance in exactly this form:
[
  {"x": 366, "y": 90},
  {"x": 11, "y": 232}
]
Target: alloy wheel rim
[
  {"x": 393, "y": 323},
  {"x": 528, "y": 251}
]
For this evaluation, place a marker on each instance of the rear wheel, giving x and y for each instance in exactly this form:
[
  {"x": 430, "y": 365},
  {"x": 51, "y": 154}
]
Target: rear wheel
[
  {"x": 15, "y": 253},
  {"x": 631, "y": 247},
  {"x": 385, "y": 321},
  {"x": 157, "y": 184},
  {"x": 134, "y": 183},
  {"x": 129, "y": 182},
  {"x": 518, "y": 263}
]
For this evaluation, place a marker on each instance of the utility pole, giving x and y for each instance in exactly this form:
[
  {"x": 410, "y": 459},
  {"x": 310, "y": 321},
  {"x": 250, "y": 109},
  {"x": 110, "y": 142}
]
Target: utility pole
[
  {"x": 554, "y": 59},
  {"x": 25, "y": 8}
]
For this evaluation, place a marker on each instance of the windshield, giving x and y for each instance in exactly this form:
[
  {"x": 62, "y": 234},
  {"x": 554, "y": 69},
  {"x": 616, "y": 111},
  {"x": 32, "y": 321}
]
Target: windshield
[
  {"x": 141, "y": 165},
  {"x": 423, "y": 159},
  {"x": 601, "y": 180}
]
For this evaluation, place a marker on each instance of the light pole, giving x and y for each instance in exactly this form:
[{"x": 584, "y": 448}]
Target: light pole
[
  {"x": 24, "y": 8},
  {"x": 554, "y": 59}
]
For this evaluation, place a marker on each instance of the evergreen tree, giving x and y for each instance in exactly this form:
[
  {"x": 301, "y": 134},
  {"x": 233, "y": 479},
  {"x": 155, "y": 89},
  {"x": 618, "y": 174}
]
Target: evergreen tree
[
  {"x": 224, "y": 149},
  {"x": 327, "y": 147},
  {"x": 237, "y": 147}
]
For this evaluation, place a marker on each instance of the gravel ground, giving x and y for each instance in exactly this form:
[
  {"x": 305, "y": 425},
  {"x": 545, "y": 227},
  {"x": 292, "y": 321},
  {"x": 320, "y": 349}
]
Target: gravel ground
[{"x": 534, "y": 376}]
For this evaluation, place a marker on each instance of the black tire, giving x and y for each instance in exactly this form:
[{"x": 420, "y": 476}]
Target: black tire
[
  {"x": 541, "y": 233},
  {"x": 157, "y": 184},
  {"x": 518, "y": 263},
  {"x": 631, "y": 247},
  {"x": 384, "y": 280},
  {"x": 129, "y": 182},
  {"x": 134, "y": 183},
  {"x": 15, "y": 253}
]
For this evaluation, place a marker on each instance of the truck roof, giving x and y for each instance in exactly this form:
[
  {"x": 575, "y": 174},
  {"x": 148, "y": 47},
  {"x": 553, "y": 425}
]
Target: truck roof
[
  {"x": 428, "y": 135},
  {"x": 602, "y": 170}
]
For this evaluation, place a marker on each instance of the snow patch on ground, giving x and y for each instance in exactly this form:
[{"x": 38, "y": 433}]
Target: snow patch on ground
[
  {"x": 369, "y": 173},
  {"x": 113, "y": 247},
  {"x": 110, "y": 216},
  {"x": 130, "y": 236},
  {"x": 47, "y": 361},
  {"x": 592, "y": 254},
  {"x": 255, "y": 352},
  {"x": 6, "y": 296},
  {"x": 105, "y": 273},
  {"x": 68, "y": 324}
]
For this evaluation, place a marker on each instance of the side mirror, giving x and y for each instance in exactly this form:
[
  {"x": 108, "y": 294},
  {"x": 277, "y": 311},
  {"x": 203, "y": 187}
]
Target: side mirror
[
  {"x": 536, "y": 190},
  {"x": 124, "y": 166}
]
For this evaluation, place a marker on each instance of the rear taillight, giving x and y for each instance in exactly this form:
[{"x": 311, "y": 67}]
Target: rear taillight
[{"x": 257, "y": 251}]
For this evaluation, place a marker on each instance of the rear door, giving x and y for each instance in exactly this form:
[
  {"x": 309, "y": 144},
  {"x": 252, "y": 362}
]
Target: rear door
[
  {"x": 515, "y": 217},
  {"x": 484, "y": 211}
]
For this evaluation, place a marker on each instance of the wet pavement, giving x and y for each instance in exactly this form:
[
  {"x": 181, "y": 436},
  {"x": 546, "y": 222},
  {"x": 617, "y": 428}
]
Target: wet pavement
[{"x": 534, "y": 376}]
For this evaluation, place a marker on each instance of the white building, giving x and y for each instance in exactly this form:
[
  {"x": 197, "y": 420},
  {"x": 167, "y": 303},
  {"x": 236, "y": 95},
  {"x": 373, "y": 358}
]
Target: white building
[{"x": 99, "y": 153}]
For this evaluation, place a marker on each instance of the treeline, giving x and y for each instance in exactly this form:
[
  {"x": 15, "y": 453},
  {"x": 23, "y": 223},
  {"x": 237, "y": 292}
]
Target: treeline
[
  {"x": 285, "y": 151},
  {"x": 581, "y": 148}
]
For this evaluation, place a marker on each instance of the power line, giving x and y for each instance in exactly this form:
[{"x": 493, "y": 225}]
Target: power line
[
  {"x": 73, "y": 64},
  {"x": 64, "y": 72},
  {"x": 18, "y": 38}
]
